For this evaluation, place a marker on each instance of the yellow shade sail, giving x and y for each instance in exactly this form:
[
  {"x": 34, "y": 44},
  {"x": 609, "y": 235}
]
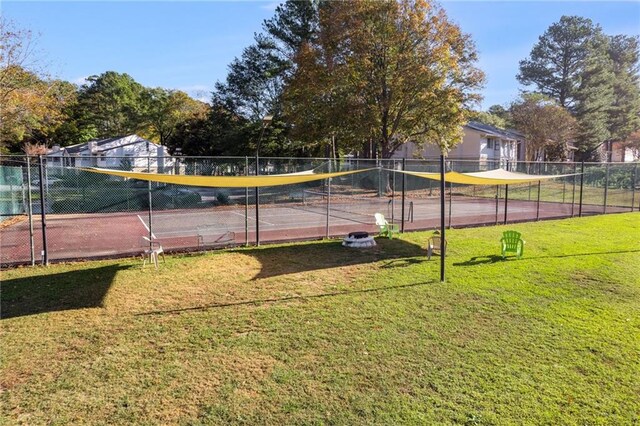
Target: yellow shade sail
[
  {"x": 490, "y": 177},
  {"x": 224, "y": 181}
]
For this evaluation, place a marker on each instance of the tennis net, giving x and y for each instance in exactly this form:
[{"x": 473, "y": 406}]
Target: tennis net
[{"x": 346, "y": 206}]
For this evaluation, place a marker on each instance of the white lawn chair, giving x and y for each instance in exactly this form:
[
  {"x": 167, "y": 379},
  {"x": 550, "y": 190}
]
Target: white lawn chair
[
  {"x": 151, "y": 253},
  {"x": 434, "y": 245}
]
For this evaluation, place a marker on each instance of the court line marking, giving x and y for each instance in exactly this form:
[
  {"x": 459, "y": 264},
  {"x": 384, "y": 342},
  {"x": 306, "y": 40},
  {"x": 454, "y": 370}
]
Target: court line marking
[
  {"x": 145, "y": 226},
  {"x": 252, "y": 218}
]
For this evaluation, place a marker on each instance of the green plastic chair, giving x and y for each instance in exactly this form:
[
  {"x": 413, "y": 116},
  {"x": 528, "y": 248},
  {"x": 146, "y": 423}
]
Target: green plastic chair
[
  {"x": 386, "y": 229},
  {"x": 512, "y": 243}
]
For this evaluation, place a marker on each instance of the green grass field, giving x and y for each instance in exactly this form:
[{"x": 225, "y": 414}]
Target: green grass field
[{"x": 315, "y": 333}]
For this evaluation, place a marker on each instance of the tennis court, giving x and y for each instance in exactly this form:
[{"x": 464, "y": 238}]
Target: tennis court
[
  {"x": 80, "y": 236},
  {"x": 91, "y": 215}
]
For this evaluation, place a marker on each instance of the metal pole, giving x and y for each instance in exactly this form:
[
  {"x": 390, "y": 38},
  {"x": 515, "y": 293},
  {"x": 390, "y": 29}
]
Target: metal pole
[
  {"x": 538, "y": 203},
  {"x": 30, "y": 213},
  {"x": 606, "y": 188},
  {"x": 529, "y": 172},
  {"x": 497, "y": 202},
  {"x": 404, "y": 187},
  {"x": 328, "y": 204},
  {"x": 393, "y": 192},
  {"x": 633, "y": 186},
  {"x": 379, "y": 178},
  {"x": 43, "y": 215},
  {"x": 150, "y": 204},
  {"x": 573, "y": 191},
  {"x": 246, "y": 204},
  {"x": 257, "y": 204},
  {"x": 581, "y": 187},
  {"x": 450, "y": 199},
  {"x": 506, "y": 202},
  {"x": 442, "y": 231}
]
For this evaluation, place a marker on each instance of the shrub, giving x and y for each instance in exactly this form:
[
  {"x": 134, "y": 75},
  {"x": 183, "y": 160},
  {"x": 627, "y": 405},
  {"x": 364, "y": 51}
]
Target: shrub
[{"x": 223, "y": 198}]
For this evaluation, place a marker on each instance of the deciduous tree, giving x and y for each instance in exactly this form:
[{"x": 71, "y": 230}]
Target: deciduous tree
[
  {"x": 163, "y": 110},
  {"x": 393, "y": 71},
  {"x": 111, "y": 104},
  {"x": 31, "y": 104},
  {"x": 548, "y": 128}
]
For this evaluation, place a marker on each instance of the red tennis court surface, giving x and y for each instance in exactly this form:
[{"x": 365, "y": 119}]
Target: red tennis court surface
[{"x": 82, "y": 236}]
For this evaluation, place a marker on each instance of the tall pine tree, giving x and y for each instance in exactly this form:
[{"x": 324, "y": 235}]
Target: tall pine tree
[
  {"x": 594, "y": 98},
  {"x": 624, "y": 114},
  {"x": 255, "y": 81},
  {"x": 557, "y": 61}
]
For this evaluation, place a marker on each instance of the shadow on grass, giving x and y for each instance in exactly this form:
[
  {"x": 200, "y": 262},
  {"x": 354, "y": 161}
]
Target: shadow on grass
[
  {"x": 286, "y": 299},
  {"x": 85, "y": 288},
  {"x": 277, "y": 260},
  {"x": 595, "y": 253},
  {"x": 479, "y": 260}
]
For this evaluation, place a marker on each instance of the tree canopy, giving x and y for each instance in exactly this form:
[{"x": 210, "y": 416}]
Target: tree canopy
[
  {"x": 557, "y": 60},
  {"x": 593, "y": 75},
  {"x": 342, "y": 77},
  {"x": 548, "y": 127},
  {"x": 391, "y": 71}
]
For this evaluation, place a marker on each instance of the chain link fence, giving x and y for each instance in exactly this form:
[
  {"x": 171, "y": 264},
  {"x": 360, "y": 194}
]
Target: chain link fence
[{"x": 51, "y": 210}]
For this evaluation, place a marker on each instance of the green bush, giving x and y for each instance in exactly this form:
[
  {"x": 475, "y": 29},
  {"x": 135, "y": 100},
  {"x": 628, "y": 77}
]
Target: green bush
[{"x": 223, "y": 198}]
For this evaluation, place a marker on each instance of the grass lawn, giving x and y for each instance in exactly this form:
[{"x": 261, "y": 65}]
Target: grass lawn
[{"x": 320, "y": 334}]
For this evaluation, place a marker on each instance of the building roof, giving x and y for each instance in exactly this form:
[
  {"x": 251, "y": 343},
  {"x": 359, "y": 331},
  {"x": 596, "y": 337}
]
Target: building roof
[
  {"x": 494, "y": 131},
  {"x": 103, "y": 143}
]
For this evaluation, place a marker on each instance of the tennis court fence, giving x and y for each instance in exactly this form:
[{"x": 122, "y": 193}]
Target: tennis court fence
[{"x": 50, "y": 210}]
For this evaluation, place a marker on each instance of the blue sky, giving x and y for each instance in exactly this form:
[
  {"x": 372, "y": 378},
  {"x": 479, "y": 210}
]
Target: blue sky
[{"x": 188, "y": 45}]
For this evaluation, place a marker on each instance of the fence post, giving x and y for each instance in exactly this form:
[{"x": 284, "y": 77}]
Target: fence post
[
  {"x": 450, "y": 201},
  {"x": 393, "y": 191},
  {"x": 581, "y": 187},
  {"x": 379, "y": 166},
  {"x": 633, "y": 187},
  {"x": 404, "y": 187},
  {"x": 538, "y": 202},
  {"x": 606, "y": 189},
  {"x": 573, "y": 191},
  {"x": 506, "y": 198},
  {"x": 150, "y": 204},
  {"x": 32, "y": 248},
  {"x": 497, "y": 203},
  {"x": 529, "y": 172},
  {"x": 506, "y": 202},
  {"x": 246, "y": 204},
  {"x": 43, "y": 215},
  {"x": 257, "y": 204},
  {"x": 443, "y": 245},
  {"x": 328, "y": 204}
]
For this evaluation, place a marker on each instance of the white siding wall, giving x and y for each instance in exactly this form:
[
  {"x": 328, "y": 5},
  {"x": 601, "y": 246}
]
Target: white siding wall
[{"x": 142, "y": 154}]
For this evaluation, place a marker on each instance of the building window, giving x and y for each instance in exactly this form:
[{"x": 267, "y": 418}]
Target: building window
[{"x": 489, "y": 143}]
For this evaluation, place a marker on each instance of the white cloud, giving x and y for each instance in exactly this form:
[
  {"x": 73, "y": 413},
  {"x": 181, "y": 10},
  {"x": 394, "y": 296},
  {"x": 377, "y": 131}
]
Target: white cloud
[
  {"x": 195, "y": 88},
  {"x": 80, "y": 80},
  {"x": 200, "y": 92},
  {"x": 204, "y": 99}
]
